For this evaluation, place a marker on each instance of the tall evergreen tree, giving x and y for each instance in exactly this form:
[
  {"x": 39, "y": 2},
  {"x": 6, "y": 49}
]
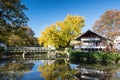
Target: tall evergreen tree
[{"x": 12, "y": 13}]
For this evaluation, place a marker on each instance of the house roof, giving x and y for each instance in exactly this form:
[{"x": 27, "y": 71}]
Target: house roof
[{"x": 87, "y": 32}]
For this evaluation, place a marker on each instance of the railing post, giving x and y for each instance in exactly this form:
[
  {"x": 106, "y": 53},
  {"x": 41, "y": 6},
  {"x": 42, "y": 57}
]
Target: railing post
[{"x": 23, "y": 55}]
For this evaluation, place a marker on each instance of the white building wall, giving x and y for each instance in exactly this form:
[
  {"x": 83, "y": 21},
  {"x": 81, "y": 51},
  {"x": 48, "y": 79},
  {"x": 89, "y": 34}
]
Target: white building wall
[{"x": 117, "y": 43}]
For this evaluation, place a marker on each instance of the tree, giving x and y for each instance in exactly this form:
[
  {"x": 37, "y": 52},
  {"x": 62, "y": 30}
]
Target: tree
[
  {"x": 14, "y": 40},
  {"x": 56, "y": 71},
  {"x": 61, "y": 33},
  {"x": 11, "y": 13},
  {"x": 18, "y": 36},
  {"x": 108, "y": 24}
]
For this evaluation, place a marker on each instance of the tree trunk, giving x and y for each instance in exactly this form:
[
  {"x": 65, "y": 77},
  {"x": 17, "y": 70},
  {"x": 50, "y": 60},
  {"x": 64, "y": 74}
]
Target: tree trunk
[{"x": 68, "y": 43}]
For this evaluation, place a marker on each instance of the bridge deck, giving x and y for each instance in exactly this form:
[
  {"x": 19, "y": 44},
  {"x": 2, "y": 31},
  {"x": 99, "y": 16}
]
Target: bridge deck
[{"x": 27, "y": 49}]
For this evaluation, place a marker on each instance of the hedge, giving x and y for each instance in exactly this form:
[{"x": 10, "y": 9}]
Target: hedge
[{"x": 94, "y": 57}]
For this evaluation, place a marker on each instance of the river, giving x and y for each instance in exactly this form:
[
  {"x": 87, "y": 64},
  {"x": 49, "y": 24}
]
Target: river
[{"x": 30, "y": 70}]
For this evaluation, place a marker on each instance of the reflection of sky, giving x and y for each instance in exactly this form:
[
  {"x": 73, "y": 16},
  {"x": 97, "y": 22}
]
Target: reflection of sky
[
  {"x": 117, "y": 75},
  {"x": 34, "y": 74},
  {"x": 73, "y": 66}
]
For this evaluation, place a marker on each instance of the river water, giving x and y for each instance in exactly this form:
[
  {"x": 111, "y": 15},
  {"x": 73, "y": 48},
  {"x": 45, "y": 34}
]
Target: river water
[
  {"x": 34, "y": 74},
  {"x": 29, "y": 70}
]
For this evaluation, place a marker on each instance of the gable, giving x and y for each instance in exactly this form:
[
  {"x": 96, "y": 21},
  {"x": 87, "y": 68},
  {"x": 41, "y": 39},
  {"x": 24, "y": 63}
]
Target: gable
[{"x": 89, "y": 34}]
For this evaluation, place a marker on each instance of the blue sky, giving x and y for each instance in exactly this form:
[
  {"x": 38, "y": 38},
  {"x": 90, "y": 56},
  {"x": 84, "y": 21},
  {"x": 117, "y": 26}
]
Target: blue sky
[{"x": 42, "y": 13}]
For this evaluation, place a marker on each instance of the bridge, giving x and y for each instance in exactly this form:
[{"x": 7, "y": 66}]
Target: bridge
[
  {"x": 27, "y": 49},
  {"x": 23, "y": 53}
]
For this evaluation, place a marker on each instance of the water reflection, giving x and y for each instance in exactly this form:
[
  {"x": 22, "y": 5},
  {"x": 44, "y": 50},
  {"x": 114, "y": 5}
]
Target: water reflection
[
  {"x": 99, "y": 72},
  {"x": 14, "y": 70},
  {"x": 57, "y": 71},
  {"x": 22, "y": 70},
  {"x": 34, "y": 74}
]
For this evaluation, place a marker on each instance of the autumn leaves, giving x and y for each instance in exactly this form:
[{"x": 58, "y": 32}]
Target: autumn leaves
[{"x": 61, "y": 33}]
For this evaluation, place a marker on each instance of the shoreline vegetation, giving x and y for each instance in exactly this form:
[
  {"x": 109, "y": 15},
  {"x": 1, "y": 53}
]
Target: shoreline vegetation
[
  {"x": 107, "y": 62},
  {"x": 94, "y": 57}
]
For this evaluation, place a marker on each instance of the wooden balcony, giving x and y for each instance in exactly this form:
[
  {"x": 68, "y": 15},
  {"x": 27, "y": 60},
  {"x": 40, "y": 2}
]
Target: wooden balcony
[
  {"x": 90, "y": 39},
  {"x": 89, "y": 47}
]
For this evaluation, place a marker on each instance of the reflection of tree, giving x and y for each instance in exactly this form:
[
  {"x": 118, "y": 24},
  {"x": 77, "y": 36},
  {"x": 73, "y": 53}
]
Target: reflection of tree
[
  {"x": 56, "y": 71},
  {"x": 14, "y": 71}
]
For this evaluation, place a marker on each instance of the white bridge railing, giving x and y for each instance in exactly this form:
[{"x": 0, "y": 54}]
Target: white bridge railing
[{"x": 27, "y": 48}]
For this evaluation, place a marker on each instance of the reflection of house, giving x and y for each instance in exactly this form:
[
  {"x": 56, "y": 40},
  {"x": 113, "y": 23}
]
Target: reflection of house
[
  {"x": 91, "y": 41},
  {"x": 117, "y": 43}
]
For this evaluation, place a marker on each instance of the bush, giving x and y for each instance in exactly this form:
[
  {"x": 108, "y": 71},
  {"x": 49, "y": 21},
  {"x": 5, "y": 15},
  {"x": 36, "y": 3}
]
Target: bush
[
  {"x": 111, "y": 57},
  {"x": 98, "y": 56},
  {"x": 60, "y": 54},
  {"x": 94, "y": 57},
  {"x": 60, "y": 49},
  {"x": 60, "y": 61},
  {"x": 78, "y": 57},
  {"x": 2, "y": 49}
]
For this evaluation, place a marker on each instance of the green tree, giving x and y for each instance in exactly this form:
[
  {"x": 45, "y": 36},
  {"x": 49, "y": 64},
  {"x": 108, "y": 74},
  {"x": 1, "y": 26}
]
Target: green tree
[
  {"x": 14, "y": 40},
  {"x": 21, "y": 36},
  {"x": 61, "y": 33},
  {"x": 4, "y": 34},
  {"x": 11, "y": 13}
]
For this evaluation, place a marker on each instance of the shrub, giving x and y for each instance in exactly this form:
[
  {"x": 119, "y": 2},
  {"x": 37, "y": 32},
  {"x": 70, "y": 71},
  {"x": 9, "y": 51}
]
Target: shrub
[
  {"x": 2, "y": 49},
  {"x": 97, "y": 56},
  {"x": 60, "y": 61},
  {"x": 111, "y": 57},
  {"x": 94, "y": 57},
  {"x": 77, "y": 57},
  {"x": 60, "y": 54}
]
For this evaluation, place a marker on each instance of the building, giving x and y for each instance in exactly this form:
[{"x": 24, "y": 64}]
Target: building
[
  {"x": 117, "y": 43},
  {"x": 91, "y": 41}
]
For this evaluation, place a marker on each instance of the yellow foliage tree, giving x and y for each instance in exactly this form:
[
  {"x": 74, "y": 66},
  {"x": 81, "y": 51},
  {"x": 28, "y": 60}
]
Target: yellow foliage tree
[
  {"x": 57, "y": 71},
  {"x": 60, "y": 34}
]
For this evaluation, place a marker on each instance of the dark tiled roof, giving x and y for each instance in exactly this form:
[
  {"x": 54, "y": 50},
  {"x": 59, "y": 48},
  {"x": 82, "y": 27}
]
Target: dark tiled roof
[{"x": 78, "y": 38}]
